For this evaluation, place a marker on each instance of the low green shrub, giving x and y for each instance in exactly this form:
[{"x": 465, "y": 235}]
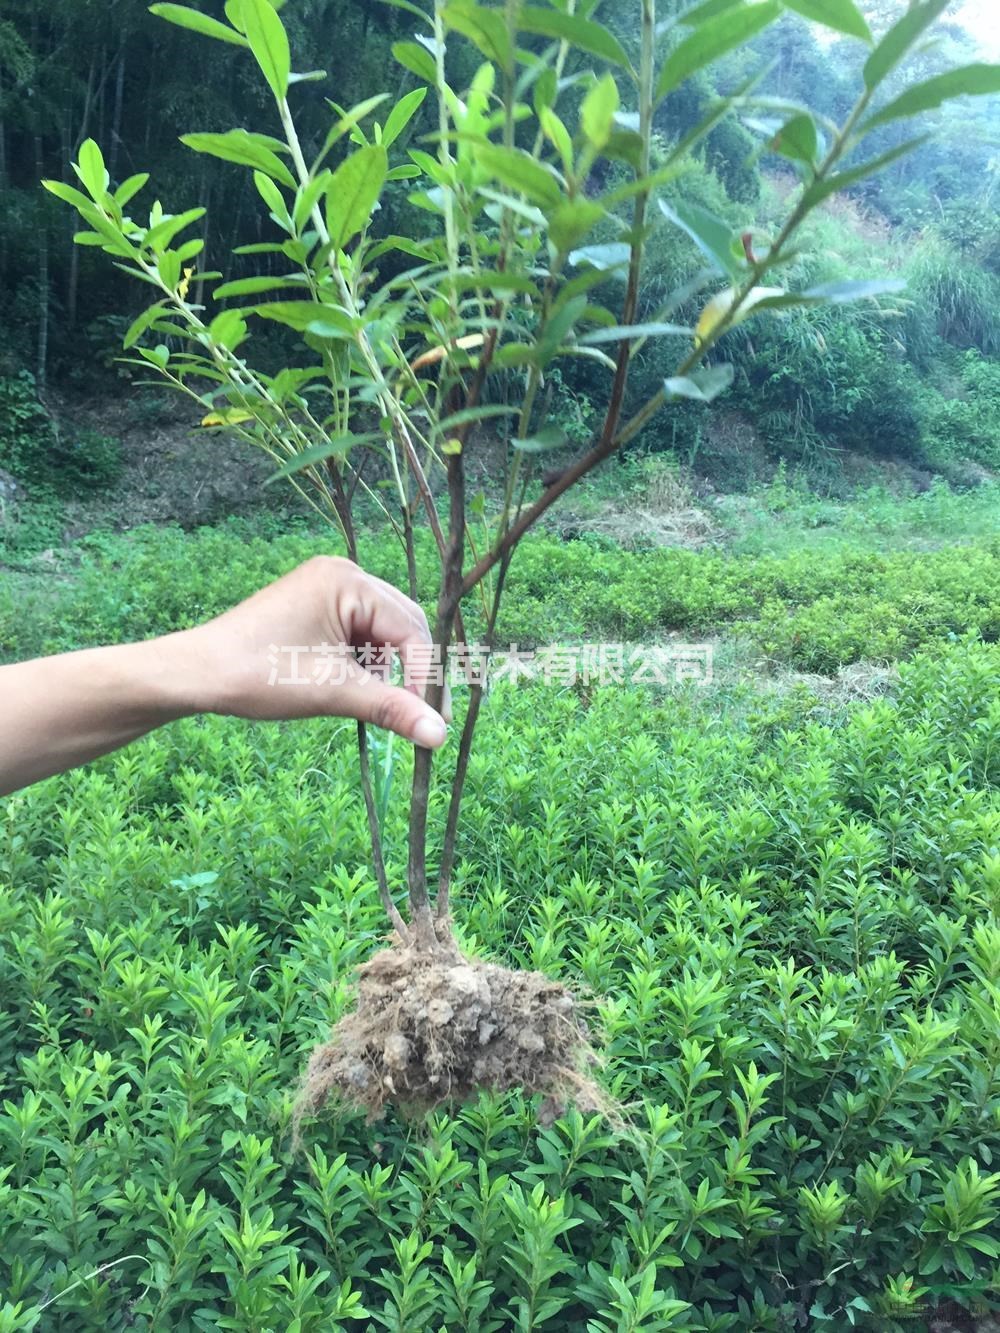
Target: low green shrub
[
  {"x": 813, "y": 612},
  {"x": 795, "y": 929},
  {"x": 967, "y": 425},
  {"x": 44, "y": 457},
  {"x": 25, "y": 427}
]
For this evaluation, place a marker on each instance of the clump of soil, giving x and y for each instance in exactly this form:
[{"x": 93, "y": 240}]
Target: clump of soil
[{"x": 433, "y": 1026}]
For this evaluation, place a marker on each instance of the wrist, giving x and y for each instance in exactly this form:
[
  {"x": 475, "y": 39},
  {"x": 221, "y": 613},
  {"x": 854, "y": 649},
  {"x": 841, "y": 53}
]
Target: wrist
[{"x": 177, "y": 675}]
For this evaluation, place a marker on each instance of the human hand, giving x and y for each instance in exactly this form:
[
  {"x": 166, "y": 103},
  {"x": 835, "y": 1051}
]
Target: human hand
[{"x": 332, "y": 605}]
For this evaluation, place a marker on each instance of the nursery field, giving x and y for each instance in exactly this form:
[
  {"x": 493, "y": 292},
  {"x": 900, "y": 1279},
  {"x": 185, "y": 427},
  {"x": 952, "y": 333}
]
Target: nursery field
[{"x": 786, "y": 911}]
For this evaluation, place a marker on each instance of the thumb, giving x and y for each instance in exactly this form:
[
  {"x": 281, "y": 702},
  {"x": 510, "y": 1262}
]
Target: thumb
[{"x": 368, "y": 699}]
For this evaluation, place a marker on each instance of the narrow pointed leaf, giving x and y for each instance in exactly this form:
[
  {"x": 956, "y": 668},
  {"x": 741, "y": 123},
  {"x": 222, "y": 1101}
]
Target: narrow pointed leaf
[
  {"x": 711, "y": 235},
  {"x": 309, "y": 317},
  {"x": 900, "y": 38},
  {"x": 549, "y": 437},
  {"x": 823, "y": 189},
  {"x": 713, "y": 39},
  {"x": 92, "y": 170},
  {"x": 518, "y": 170},
  {"x": 160, "y": 236},
  {"x": 269, "y": 43},
  {"x": 69, "y": 195},
  {"x": 319, "y": 453},
  {"x": 198, "y": 22},
  {"x": 485, "y": 28},
  {"x": 630, "y": 331},
  {"x": 401, "y": 115},
  {"x": 701, "y": 386},
  {"x": 798, "y": 140},
  {"x": 139, "y": 326},
  {"x": 353, "y": 192},
  {"x": 840, "y": 292},
  {"x": 249, "y": 150},
  {"x": 604, "y": 258},
  {"x": 840, "y": 15},
  {"x": 968, "y": 81},
  {"x": 584, "y": 34},
  {"x": 252, "y": 286},
  {"x": 417, "y": 59},
  {"x": 130, "y": 188},
  {"x": 597, "y": 114}
]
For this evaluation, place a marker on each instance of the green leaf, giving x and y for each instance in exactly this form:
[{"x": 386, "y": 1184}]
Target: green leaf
[
  {"x": 571, "y": 221},
  {"x": 518, "y": 170},
  {"x": 713, "y": 39},
  {"x": 468, "y": 415},
  {"x": 92, "y": 171},
  {"x": 840, "y": 293},
  {"x": 251, "y": 287},
  {"x": 630, "y": 331},
  {"x": 841, "y": 15},
  {"x": 228, "y": 328},
  {"x": 401, "y": 115},
  {"x": 308, "y": 197},
  {"x": 702, "y": 386},
  {"x": 347, "y": 122},
  {"x": 158, "y": 355},
  {"x": 900, "y": 38},
  {"x": 823, "y": 189},
  {"x": 605, "y": 258},
  {"x": 528, "y": 212},
  {"x": 417, "y": 59},
  {"x": 249, "y": 150},
  {"x": 410, "y": 8},
  {"x": 969, "y": 81},
  {"x": 558, "y": 327},
  {"x": 139, "y": 325},
  {"x": 319, "y": 453},
  {"x": 353, "y": 192},
  {"x": 584, "y": 34},
  {"x": 269, "y": 43},
  {"x": 549, "y": 437},
  {"x": 797, "y": 139},
  {"x": 708, "y": 9},
  {"x": 485, "y": 28},
  {"x": 198, "y": 22},
  {"x": 597, "y": 114},
  {"x": 160, "y": 236},
  {"x": 274, "y": 199},
  {"x": 69, "y": 195},
  {"x": 309, "y": 317},
  {"x": 557, "y": 133},
  {"x": 711, "y": 235},
  {"x": 130, "y": 188}
]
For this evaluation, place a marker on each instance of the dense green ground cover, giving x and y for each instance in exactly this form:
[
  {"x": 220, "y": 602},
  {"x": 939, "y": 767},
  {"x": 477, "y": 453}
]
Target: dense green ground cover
[
  {"x": 788, "y": 913},
  {"x": 795, "y": 930},
  {"x": 813, "y": 608}
]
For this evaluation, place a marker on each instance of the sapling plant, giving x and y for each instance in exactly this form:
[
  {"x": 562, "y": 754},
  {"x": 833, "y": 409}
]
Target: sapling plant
[{"x": 408, "y": 344}]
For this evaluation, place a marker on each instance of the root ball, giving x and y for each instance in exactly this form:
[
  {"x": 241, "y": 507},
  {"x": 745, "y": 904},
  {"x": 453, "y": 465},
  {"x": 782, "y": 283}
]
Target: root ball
[{"x": 432, "y": 1027}]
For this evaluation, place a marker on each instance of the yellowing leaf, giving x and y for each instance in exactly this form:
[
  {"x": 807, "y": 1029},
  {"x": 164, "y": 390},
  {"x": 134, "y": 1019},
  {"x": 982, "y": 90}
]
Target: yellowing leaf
[
  {"x": 230, "y": 416},
  {"x": 718, "y": 307},
  {"x": 437, "y": 354},
  {"x": 185, "y": 282},
  {"x": 451, "y": 447}
]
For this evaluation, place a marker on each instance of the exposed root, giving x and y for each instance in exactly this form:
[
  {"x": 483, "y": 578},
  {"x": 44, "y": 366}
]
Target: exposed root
[{"x": 433, "y": 1027}]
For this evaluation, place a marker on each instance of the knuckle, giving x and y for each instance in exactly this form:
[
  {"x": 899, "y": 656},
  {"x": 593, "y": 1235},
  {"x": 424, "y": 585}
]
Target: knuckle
[{"x": 332, "y": 564}]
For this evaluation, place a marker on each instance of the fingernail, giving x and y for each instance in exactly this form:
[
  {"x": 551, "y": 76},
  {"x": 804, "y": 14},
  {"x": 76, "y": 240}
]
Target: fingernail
[{"x": 430, "y": 732}]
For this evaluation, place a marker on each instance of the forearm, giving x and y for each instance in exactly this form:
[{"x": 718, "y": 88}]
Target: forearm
[{"x": 58, "y": 712}]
